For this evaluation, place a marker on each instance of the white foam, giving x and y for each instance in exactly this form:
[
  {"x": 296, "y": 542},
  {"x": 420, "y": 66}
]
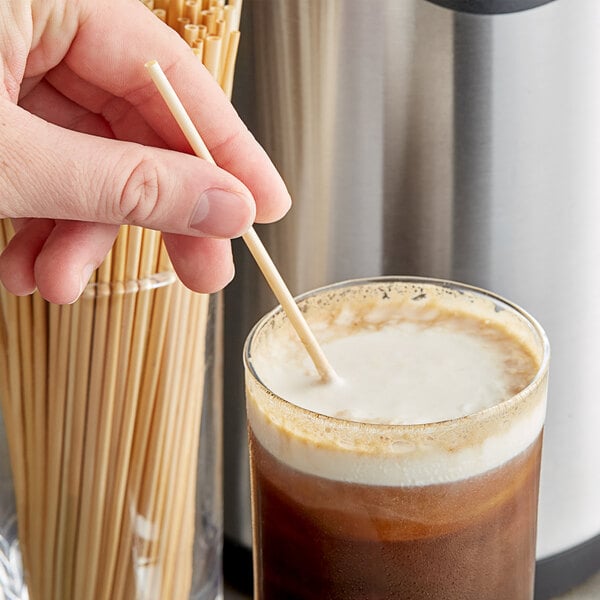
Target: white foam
[
  {"x": 408, "y": 363},
  {"x": 402, "y": 374}
]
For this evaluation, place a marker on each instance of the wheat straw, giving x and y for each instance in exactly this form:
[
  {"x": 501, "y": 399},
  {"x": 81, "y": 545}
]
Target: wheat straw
[{"x": 256, "y": 247}]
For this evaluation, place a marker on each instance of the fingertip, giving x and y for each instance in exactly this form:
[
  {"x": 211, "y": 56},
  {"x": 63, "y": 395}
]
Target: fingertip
[
  {"x": 57, "y": 288},
  {"x": 17, "y": 261},
  {"x": 246, "y": 159},
  {"x": 71, "y": 253},
  {"x": 204, "y": 265},
  {"x": 274, "y": 210},
  {"x": 273, "y": 199},
  {"x": 17, "y": 285},
  {"x": 16, "y": 281}
]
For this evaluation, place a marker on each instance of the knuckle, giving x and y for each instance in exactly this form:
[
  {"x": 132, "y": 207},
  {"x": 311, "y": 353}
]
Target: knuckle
[
  {"x": 230, "y": 144},
  {"x": 140, "y": 195}
]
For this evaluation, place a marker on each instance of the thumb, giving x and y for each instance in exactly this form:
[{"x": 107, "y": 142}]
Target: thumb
[{"x": 51, "y": 172}]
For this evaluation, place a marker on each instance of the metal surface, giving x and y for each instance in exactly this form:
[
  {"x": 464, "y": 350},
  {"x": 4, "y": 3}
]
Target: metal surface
[{"x": 417, "y": 140}]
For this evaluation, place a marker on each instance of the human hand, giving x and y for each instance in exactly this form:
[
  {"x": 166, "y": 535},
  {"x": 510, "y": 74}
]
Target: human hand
[{"x": 87, "y": 144}]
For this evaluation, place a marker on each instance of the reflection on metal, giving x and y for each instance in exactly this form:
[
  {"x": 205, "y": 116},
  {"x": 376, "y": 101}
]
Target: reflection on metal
[{"x": 418, "y": 140}]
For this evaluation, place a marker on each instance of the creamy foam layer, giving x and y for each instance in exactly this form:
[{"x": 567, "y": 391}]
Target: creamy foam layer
[
  {"x": 404, "y": 373},
  {"x": 407, "y": 356}
]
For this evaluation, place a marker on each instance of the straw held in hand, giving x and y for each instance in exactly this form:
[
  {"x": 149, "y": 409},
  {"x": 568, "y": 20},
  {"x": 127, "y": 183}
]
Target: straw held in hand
[{"x": 260, "y": 254}]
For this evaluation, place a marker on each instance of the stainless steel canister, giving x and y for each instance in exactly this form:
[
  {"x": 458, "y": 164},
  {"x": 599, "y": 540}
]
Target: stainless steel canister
[{"x": 454, "y": 139}]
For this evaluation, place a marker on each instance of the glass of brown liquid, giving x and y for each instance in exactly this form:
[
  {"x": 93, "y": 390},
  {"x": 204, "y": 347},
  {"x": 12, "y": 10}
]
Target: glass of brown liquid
[{"x": 414, "y": 477}]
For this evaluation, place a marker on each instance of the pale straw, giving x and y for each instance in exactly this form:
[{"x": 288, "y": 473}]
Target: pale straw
[{"x": 256, "y": 247}]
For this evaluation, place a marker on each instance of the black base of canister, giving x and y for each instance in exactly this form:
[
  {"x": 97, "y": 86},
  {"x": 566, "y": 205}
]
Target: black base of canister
[
  {"x": 561, "y": 572},
  {"x": 237, "y": 567},
  {"x": 554, "y": 575}
]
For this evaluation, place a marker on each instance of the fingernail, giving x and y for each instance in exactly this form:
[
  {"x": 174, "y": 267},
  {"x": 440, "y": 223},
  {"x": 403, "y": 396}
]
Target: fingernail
[
  {"x": 232, "y": 273},
  {"x": 223, "y": 214},
  {"x": 84, "y": 279},
  {"x": 86, "y": 273}
]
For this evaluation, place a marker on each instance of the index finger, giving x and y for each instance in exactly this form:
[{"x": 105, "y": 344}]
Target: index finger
[{"x": 115, "y": 40}]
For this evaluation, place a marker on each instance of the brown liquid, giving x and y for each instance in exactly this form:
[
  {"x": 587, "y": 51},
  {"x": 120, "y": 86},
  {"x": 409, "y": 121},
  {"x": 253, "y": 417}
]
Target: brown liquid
[{"x": 467, "y": 540}]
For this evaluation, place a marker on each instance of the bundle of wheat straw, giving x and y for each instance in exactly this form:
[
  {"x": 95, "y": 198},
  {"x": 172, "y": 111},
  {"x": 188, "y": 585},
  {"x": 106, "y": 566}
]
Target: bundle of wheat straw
[{"x": 102, "y": 401}]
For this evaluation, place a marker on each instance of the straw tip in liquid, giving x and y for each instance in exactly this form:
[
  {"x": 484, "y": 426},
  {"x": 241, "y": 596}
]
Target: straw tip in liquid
[{"x": 333, "y": 379}]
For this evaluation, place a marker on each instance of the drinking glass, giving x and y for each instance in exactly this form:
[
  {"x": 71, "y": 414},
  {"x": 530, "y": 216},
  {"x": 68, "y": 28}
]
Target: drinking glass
[{"x": 352, "y": 510}]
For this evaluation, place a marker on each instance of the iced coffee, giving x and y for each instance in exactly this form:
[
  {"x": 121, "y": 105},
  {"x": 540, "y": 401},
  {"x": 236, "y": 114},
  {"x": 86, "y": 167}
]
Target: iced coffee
[{"x": 416, "y": 475}]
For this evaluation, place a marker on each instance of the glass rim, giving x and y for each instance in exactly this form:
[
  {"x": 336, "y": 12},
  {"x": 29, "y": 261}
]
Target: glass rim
[
  {"x": 153, "y": 281},
  {"x": 485, "y": 413}
]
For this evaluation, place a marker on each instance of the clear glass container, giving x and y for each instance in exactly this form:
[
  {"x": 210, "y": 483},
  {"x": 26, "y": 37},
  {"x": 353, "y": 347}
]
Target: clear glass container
[{"x": 110, "y": 446}]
